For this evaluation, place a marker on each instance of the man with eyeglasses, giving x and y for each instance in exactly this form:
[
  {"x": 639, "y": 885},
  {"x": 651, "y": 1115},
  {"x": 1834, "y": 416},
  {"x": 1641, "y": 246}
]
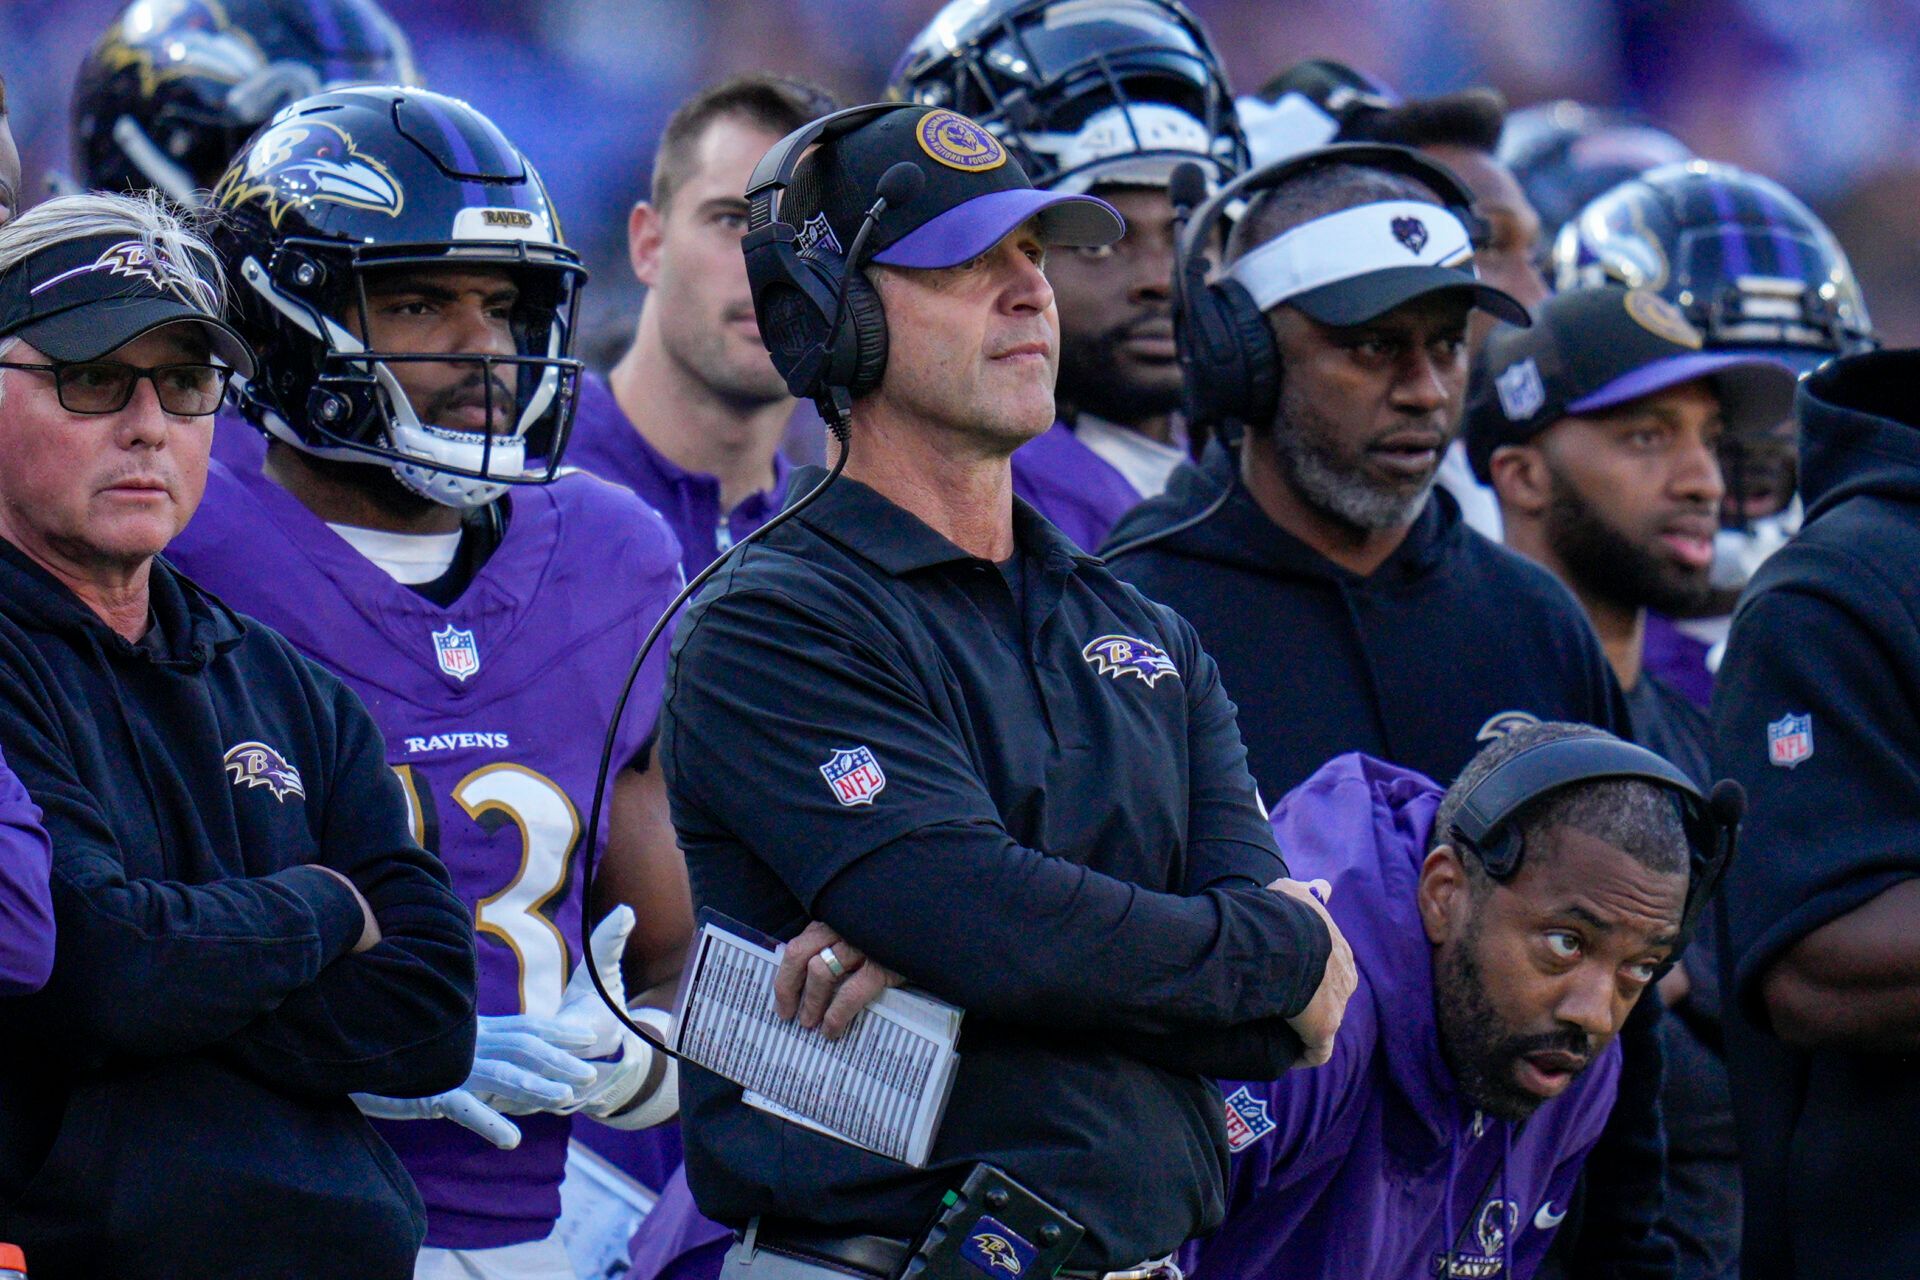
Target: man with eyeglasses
[{"x": 247, "y": 934}]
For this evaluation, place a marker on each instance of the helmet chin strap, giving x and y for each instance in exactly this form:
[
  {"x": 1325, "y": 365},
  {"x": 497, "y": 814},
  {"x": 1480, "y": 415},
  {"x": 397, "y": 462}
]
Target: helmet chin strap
[
  {"x": 427, "y": 449},
  {"x": 173, "y": 181}
]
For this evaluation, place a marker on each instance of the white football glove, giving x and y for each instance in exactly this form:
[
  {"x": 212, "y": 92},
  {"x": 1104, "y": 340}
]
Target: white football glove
[
  {"x": 521, "y": 1064},
  {"x": 636, "y": 1086}
]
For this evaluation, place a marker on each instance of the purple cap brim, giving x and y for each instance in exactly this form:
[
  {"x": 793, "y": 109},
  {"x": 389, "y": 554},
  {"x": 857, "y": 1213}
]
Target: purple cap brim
[
  {"x": 1671, "y": 372},
  {"x": 969, "y": 229}
]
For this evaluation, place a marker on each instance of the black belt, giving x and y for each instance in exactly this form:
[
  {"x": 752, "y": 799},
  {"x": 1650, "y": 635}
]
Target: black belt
[
  {"x": 870, "y": 1257},
  {"x": 867, "y": 1257}
]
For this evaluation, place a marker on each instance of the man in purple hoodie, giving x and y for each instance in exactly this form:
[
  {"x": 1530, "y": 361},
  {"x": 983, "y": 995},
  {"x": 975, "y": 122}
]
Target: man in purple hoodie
[{"x": 1476, "y": 1065}]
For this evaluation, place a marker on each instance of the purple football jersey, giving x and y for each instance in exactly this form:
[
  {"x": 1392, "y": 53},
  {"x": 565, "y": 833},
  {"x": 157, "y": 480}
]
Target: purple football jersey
[
  {"x": 237, "y": 443},
  {"x": 493, "y": 710},
  {"x": 1072, "y": 486},
  {"x": 604, "y": 442}
]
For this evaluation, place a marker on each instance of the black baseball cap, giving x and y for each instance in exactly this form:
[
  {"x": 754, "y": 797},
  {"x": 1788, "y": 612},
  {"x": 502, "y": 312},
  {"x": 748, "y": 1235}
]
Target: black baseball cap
[
  {"x": 975, "y": 193},
  {"x": 1598, "y": 348},
  {"x": 80, "y": 299}
]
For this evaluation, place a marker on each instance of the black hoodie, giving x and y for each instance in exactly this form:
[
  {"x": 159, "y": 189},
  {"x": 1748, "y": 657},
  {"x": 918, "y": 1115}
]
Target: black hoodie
[
  {"x": 175, "y": 1099},
  {"x": 1449, "y": 642},
  {"x": 1817, "y": 713}
]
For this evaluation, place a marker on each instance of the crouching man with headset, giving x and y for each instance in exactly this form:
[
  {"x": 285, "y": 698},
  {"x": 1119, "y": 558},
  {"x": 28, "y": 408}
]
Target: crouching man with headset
[
  {"x": 1505, "y": 928},
  {"x": 918, "y": 714}
]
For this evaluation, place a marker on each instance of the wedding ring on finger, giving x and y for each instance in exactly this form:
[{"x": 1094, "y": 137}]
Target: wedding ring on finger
[{"x": 833, "y": 964}]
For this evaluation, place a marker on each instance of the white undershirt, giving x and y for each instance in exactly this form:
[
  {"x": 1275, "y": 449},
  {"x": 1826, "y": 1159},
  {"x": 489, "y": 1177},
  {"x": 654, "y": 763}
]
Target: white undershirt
[
  {"x": 1142, "y": 461},
  {"x": 408, "y": 558}
]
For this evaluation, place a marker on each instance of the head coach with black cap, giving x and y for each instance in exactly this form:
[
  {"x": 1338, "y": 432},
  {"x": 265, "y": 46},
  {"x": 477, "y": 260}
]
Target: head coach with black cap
[
  {"x": 247, "y": 933},
  {"x": 1054, "y": 829}
]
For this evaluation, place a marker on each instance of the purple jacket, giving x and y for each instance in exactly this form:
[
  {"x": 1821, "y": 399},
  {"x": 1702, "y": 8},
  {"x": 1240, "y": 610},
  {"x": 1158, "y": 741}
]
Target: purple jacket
[
  {"x": 1374, "y": 1165},
  {"x": 26, "y": 897},
  {"x": 1072, "y": 486}
]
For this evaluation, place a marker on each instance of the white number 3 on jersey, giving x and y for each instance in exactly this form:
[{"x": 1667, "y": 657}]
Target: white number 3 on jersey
[{"x": 550, "y": 829}]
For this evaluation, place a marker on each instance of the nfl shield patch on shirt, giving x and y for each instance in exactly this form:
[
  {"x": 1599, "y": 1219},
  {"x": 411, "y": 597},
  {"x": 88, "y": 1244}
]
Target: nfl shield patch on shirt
[
  {"x": 1247, "y": 1119},
  {"x": 459, "y": 656},
  {"x": 1790, "y": 740},
  {"x": 854, "y": 775}
]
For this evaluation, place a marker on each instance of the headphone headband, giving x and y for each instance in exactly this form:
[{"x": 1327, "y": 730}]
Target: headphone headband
[
  {"x": 1370, "y": 155},
  {"x": 1484, "y": 823},
  {"x": 1230, "y": 366},
  {"x": 774, "y": 174},
  {"x": 1548, "y": 766}
]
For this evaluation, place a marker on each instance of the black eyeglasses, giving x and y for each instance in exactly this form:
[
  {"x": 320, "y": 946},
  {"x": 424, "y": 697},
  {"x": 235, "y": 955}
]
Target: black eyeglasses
[{"x": 105, "y": 386}]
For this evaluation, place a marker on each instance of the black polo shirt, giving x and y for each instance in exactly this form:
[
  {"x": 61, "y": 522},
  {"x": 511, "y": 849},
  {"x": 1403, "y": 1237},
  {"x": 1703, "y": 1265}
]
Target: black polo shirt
[{"x": 1052, "y": 826}]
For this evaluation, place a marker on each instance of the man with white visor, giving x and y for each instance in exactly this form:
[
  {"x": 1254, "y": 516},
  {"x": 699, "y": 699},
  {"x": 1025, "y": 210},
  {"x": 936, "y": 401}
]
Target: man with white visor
[{"x": 1331, "y": 357}]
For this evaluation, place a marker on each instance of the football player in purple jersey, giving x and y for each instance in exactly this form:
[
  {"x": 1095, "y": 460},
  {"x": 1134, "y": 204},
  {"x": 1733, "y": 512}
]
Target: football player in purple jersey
[
  {"x": 1109, "y": 98},
  {"x": 692, "y": 416},
  {"x": 399, "y": 266}
]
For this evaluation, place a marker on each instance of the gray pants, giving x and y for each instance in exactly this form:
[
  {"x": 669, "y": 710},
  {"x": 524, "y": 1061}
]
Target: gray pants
[{"x": 762, "y": 1265}]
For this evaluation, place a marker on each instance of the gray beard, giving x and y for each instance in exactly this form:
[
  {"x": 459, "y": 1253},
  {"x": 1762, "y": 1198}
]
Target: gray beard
[{"x": 1329, "y": 484}]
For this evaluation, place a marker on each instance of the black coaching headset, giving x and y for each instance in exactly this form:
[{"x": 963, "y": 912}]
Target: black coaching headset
[
  {"x": 818, "y": 314},
  {"x": 1228, "y": 361},
  {"x": 1485, "y": 822}
]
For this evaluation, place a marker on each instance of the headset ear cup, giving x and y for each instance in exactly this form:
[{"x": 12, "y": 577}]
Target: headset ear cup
[
  {"x": 790, "y": 292},
  {"x": 1234, "y": 371},
  {"x": 1209, "y": 357},
  {"x": 1257, "y": 392},
  {"x": 866, "y": 330},
  {"x": 1501, "y": 852}
]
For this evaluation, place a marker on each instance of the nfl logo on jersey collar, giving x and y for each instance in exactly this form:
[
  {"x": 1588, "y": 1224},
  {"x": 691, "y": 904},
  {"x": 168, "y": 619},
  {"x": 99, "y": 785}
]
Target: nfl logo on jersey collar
[
  {"x": 459, "y": 656},
  {"x": 1790, "y": 740}
]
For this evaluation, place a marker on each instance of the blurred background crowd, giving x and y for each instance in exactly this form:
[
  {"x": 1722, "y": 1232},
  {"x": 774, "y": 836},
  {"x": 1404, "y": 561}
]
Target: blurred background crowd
[{"x": 1813, "y": 93}]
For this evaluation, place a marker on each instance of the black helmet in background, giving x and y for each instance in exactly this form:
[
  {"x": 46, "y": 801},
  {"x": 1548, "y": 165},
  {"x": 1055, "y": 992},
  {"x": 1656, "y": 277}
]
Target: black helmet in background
[
  {"x": 174, "y": 87},
  {"x": 1081, "y": 91},
  {"x": 1566, "y": 153}
]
